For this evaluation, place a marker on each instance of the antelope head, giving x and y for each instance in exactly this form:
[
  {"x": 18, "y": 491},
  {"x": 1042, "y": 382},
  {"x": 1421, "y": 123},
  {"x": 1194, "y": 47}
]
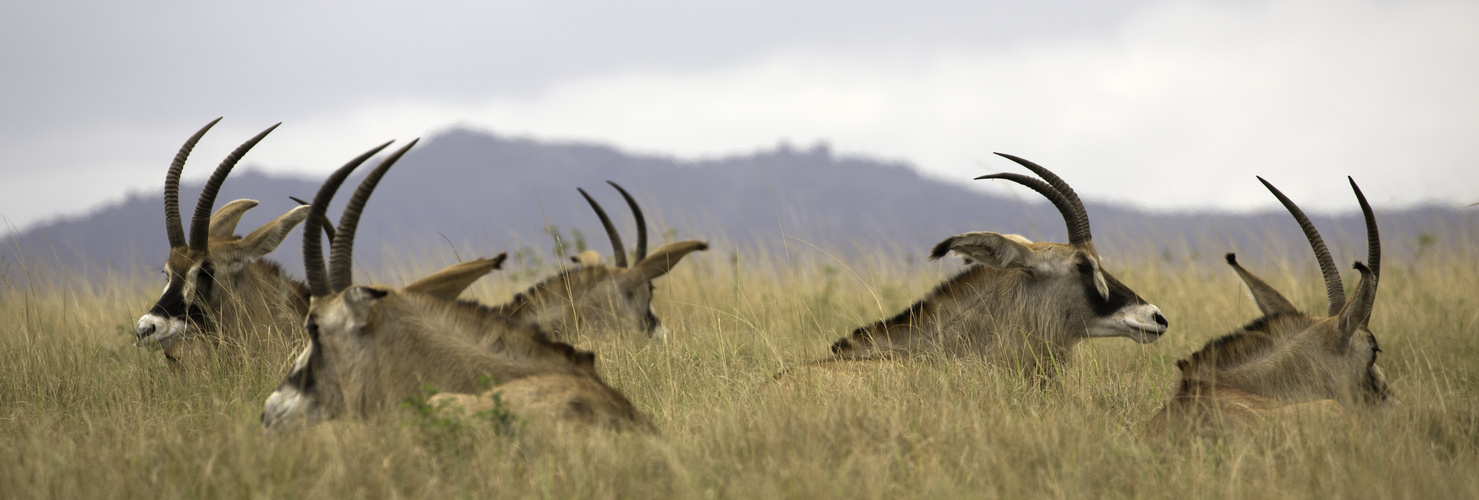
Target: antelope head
[
  {"x": 600, "y": 297},
  {"x": 200, "y": 273},
  {"x": 1071, "y": 275},
  {"x": 1300, "y": 357},
  {"x": 372, "y": 346}
]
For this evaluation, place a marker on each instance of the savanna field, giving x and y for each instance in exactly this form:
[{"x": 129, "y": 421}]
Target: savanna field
[{"x": 84, "y": 414}]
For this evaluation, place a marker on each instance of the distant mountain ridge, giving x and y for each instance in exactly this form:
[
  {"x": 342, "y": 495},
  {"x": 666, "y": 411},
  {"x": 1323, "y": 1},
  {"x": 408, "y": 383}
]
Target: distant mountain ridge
[{"x": 486, "y": 194}]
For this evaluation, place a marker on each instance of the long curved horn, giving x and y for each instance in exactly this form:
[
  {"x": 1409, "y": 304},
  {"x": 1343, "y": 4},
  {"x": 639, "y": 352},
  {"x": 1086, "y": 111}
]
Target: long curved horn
[
  {"x": 1078, "y": 219},
  {"x": 1373, "y": 243},
  {"x": 341, "y": 252},
  {"x": 617, "y": 250},
  {"x": 313, "y": 254},
  {"x": 1064, "y": 206},
  {"x": 328, "y": 224},
  {"x": 1373, "y": 238},
  {"x": 641, "y": 222},
  {"x": 1334, "y": 289},
  {"x": 172, "y": 221},
  {"x": 200, "y": 224}
]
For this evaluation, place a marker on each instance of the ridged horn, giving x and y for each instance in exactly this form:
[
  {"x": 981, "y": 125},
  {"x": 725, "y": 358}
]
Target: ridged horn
[
  {"x": 641, "y": 222},
  {"x": 313, "y": 254},
  {"x": 341, "y": 252},
  {"x": 328, "y": 224},
  {"x": 172, "y": 222},
  {"x": 1334, "y": 289},
  {"x": 200, "y": 224},
  {"x": 1373, "y": 239},
  {"x": 1064, "y": 206},
  {"x": 617, "y": 250},
  {"x": 1076, "y": 218}
]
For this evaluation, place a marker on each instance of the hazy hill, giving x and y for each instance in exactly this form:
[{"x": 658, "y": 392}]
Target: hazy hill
[{"x": 487, "y": 194}]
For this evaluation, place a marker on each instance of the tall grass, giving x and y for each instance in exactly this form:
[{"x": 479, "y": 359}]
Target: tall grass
[{"x": 84, "y": 414}]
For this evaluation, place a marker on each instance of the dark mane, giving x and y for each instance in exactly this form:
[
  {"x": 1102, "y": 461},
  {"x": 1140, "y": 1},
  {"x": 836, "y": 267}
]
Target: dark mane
[
  {"x": 553, "y": 284},
  {"x": 1252, "y": 341},
  {"x": 915, "y": 313},
  {"x": 542, "y": 340}
]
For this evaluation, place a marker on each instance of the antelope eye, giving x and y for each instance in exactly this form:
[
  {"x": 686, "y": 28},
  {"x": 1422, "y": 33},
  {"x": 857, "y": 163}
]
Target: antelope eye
[{"x": 1085, "y": 268}]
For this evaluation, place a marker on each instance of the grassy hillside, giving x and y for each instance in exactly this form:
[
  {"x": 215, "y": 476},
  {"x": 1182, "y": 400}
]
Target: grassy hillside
[{"x": 83, "y": 414}]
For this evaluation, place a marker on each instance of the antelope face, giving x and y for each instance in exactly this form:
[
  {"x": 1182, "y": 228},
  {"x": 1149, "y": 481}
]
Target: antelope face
[
  {"x": 311, "y": 392},
  {"x": 1067, "y": 280},
  {"x": 190, "y": 283},
  {"x": 1115, "y": 310},
  {"x": 621, "y": 303}
]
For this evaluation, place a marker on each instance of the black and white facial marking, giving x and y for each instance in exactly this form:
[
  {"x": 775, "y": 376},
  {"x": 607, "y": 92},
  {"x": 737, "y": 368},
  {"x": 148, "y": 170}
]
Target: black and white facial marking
[
  {"x": 1118, "y": 310},
  {"x": 180, "y": 311},
  {"x": 295, "y": 403}
]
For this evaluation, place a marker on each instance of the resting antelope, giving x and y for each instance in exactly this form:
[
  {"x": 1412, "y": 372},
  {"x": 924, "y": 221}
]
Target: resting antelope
[
  {"x": 1287, "y": 357},
  {"x": 219, "y": 286},
  {"x": 595, "y": 297},
  {"x": 371, "y": 347},
  {"x": 1019, "y": 301}
]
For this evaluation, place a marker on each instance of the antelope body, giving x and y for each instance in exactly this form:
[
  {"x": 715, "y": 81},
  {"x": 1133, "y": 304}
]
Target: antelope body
[
  {"x": 1020, "y": 301},
  {"x": 371, "y": 347},
  {"x": 219, "y": 288},
  {"x": 599, "y": 298},
  {"x": 1287, "y": 361}
]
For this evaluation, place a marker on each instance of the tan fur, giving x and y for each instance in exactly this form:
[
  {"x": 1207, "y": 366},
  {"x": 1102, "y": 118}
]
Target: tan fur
[
  {"x": 597, "y": 298},
  {"x": 252, "y": 301},
  {"x": 1287, "y": 359},
  {"x": 1022, "y": 304},
  {"x": 1276, "y": 365},
  {"x": 380, "y": 346}
]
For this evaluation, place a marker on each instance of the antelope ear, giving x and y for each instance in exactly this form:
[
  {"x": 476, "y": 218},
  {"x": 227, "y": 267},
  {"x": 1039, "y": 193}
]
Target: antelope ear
[
  {"x": 223, "y": 223},
  {"x": 1269, "y": 300},
  {"x": 1357, "y": 311},
  {"x": 588, "y": 258},
  {"x": 266, "y": 238},
  {"x": 449, "y": 282},
  {"x": 660, "y": 261},
  {"x": 358, "y": 300},
  {"x": 991, "y": 249}
]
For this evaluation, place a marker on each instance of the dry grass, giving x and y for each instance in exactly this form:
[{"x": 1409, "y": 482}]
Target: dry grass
[{"x": 83, "y": 414}]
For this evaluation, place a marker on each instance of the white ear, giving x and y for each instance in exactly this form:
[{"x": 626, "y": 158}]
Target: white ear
[{"x": 988, "y": 248}]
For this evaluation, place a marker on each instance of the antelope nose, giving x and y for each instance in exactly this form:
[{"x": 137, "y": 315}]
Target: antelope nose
[
  {"x": 145, "y": 329},
  {"x": 1161, "y": 320}
]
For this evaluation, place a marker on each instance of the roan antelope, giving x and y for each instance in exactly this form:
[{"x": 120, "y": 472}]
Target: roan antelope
[
  {"x": 219, "y": 287},
  {"x": 599, "y": 298},
  {"x": 371, "y": 347},
  {"x": 1020, "y": 302},
  {"x": 1287, "y": 361}
]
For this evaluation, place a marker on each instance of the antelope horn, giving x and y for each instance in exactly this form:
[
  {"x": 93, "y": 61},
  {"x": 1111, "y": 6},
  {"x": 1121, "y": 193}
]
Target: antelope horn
[
  {"x": 172, "y": 224},
  {"x": 1334, "y": 289},
  {"x": 313, "y": 254},
  {"x": 641, "y": 222},
  {"x": 1064, "y": 206},
  {"x": 200, "y": 224},
  {"x": 1076, "y": 218},
  {"x": 617, "y": 249},
  {"x": 328, "y": 224},
  {"x": 1373, "y": 239},
  {"x": 341, "y": 251}
]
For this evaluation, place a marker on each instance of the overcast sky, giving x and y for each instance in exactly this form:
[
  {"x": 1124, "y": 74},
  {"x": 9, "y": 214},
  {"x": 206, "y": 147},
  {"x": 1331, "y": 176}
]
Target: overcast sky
[{"x": 1165, "y": 105}]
